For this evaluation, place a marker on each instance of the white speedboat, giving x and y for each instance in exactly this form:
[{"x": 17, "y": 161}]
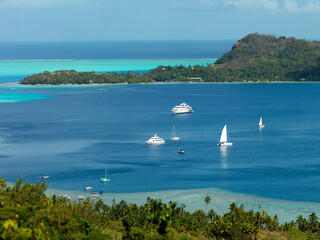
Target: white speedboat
[
  {"x": 87, "y": 188},
  {"x": 173, "y": 134},
  {"x": 260, "y": 125},
  {"x": 155, "y": 140},
  {"x": 182, "y": 108},
  {"x": 224, "y": 138},
  {"x": 45, "y": 177}
]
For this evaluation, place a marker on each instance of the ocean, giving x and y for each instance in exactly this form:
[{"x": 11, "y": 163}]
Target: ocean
[{"x": 74, "y": 133}]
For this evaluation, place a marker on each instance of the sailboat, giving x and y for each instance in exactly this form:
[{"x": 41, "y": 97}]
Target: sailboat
[
  {"x": 181, "y": 150},
  {"x": 106, "y": 178},
  {"x": 260, "y": 125},
  {"x": 224, "y": 138},
  {"x": 173, "y": 134}
]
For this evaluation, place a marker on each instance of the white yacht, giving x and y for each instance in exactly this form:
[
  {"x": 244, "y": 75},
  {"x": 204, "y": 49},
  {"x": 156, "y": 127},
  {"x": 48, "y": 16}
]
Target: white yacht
[
  {"x": 173, "y": 134},
  {"x": 106, "y": 177},
  {"x": 260, "y": 125},
  {"x": 224, "y": 138},
  {"x": 182, "y": 108},
  {"x": 155, "y": 140}
]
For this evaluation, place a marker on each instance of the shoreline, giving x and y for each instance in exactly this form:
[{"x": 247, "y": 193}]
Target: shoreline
[
  {"x": 193, "y": 199},
  {"x": 19, "y": 85}
]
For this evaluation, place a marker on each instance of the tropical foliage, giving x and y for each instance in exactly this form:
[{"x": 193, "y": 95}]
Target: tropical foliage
[{"x": 26, "y": 213}]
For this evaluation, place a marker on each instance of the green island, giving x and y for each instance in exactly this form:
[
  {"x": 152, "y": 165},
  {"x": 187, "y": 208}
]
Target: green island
[
  {"x": 27, "y": 213},
  {"x": 254, "y": 58}
]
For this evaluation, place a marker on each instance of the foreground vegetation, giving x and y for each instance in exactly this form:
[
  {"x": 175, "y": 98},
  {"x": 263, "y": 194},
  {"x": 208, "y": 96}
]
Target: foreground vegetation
[
  {"x": 26, "y": 213},
  {"x": 253, "y": 58}
]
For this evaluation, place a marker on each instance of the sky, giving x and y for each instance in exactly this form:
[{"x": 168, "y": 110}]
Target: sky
[{"x": 104, "y": 20}]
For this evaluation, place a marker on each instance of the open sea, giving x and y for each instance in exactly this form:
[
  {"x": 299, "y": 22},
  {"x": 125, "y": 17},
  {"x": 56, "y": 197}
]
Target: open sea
[{"x": 73, "y": 133}]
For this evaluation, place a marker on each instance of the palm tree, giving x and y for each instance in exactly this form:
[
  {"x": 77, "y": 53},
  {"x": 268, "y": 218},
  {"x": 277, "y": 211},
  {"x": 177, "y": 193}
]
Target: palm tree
[
  {"x": 211, "y": 214},
  {"x": 313, "y": 221},
  {"x": 302, "y": 223},
  {"x": 207, "y": 200}
]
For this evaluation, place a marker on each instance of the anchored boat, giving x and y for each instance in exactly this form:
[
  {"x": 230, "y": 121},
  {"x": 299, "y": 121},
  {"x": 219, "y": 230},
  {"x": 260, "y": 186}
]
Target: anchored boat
[{"x": 224, "y": 138}]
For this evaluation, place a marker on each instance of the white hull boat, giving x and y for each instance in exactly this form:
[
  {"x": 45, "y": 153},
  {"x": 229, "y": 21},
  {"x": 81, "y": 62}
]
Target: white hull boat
[
  {"x": 155, "y": 140},
  {"x": 224, "y": 138},
  {"x": 182, "y": 108},
  {"x": 173, "y": 134},
  {"x": 106, "y": 178},
  {"x": 260, "y": 125}
]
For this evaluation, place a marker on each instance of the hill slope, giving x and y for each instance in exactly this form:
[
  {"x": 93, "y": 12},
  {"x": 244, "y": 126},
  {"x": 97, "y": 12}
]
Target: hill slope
[{"x": 265, "y": 57}]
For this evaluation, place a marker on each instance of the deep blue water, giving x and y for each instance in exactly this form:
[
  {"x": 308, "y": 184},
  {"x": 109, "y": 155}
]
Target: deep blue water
[
  {"x": 75, "y": 133},
  {"x": 115, "y": 50}
]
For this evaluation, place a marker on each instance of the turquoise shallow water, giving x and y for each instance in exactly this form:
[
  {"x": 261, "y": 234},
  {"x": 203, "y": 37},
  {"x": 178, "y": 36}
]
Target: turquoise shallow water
[
  {"x": 193, "y": 199},
  {"x": 28, "y": 67},
  {"x": 14, "y": 96}
]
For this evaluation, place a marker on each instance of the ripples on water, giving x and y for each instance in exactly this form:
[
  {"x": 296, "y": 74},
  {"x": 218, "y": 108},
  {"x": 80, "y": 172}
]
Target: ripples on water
[{"x": 73, "y": 134}]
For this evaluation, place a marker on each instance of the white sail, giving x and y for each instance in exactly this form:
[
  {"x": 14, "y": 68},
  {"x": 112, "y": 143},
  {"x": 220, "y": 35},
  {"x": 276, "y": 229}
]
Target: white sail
[
  {"x": 173, "y": 134},
  {"x": 224, "y": 137},
  {"x": 261, "y": 124},
  {"x": 106, "y": 177}
]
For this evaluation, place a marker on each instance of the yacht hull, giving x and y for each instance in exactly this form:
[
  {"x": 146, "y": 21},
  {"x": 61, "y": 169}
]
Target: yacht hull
[
  {"x": 224, "y": 144},
  {"x": 104, "y": 180},
  {"x": 175, "y": 139},
  {"x": 181, "y": 112},
  {"x": 155, "y": 143}
]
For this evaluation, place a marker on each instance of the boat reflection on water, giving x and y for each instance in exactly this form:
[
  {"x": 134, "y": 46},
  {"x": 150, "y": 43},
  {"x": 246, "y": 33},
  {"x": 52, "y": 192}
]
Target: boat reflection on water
[{"x": 224, "y": 157}]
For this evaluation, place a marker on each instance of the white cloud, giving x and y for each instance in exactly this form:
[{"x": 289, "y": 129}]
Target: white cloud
[
  {"x": 309, "y": 6},
  {"x": 291, "y": 5},
  {"x": 245, "y": 4},
  {"x": 40, "y": 3}
]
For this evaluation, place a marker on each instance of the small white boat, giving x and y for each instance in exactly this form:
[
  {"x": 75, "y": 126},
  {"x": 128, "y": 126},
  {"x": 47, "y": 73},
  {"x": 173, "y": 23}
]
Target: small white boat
[
  {"x": 182, "y": 108},
  {"x": 181, "y": 150},
  {"x": 155, "y": 140},
  {"x": 173, "y": 134},
  {"x": 106, "y": 177},
  {"x": 87, "y": 188},
  {"x": 80, "y": 197},
  {"x": 260, "y": 125},
  {"x": 224, "y": 138},
  {"x": 95, "y": 196},
  {"x": 45, "y": 177},
  {"x": 66, "y": 197}
]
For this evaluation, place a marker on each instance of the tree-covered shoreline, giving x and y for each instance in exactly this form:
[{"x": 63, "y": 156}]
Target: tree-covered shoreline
[
  {"x": 27, "y": 213},
  {"x": 254, "y": 58}
]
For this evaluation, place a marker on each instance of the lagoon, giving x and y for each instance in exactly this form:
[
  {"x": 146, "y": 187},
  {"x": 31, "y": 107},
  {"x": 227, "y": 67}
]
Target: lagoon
[
  {"x": 73, "y": 134},
  {"x": 22, "y": 68}
]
